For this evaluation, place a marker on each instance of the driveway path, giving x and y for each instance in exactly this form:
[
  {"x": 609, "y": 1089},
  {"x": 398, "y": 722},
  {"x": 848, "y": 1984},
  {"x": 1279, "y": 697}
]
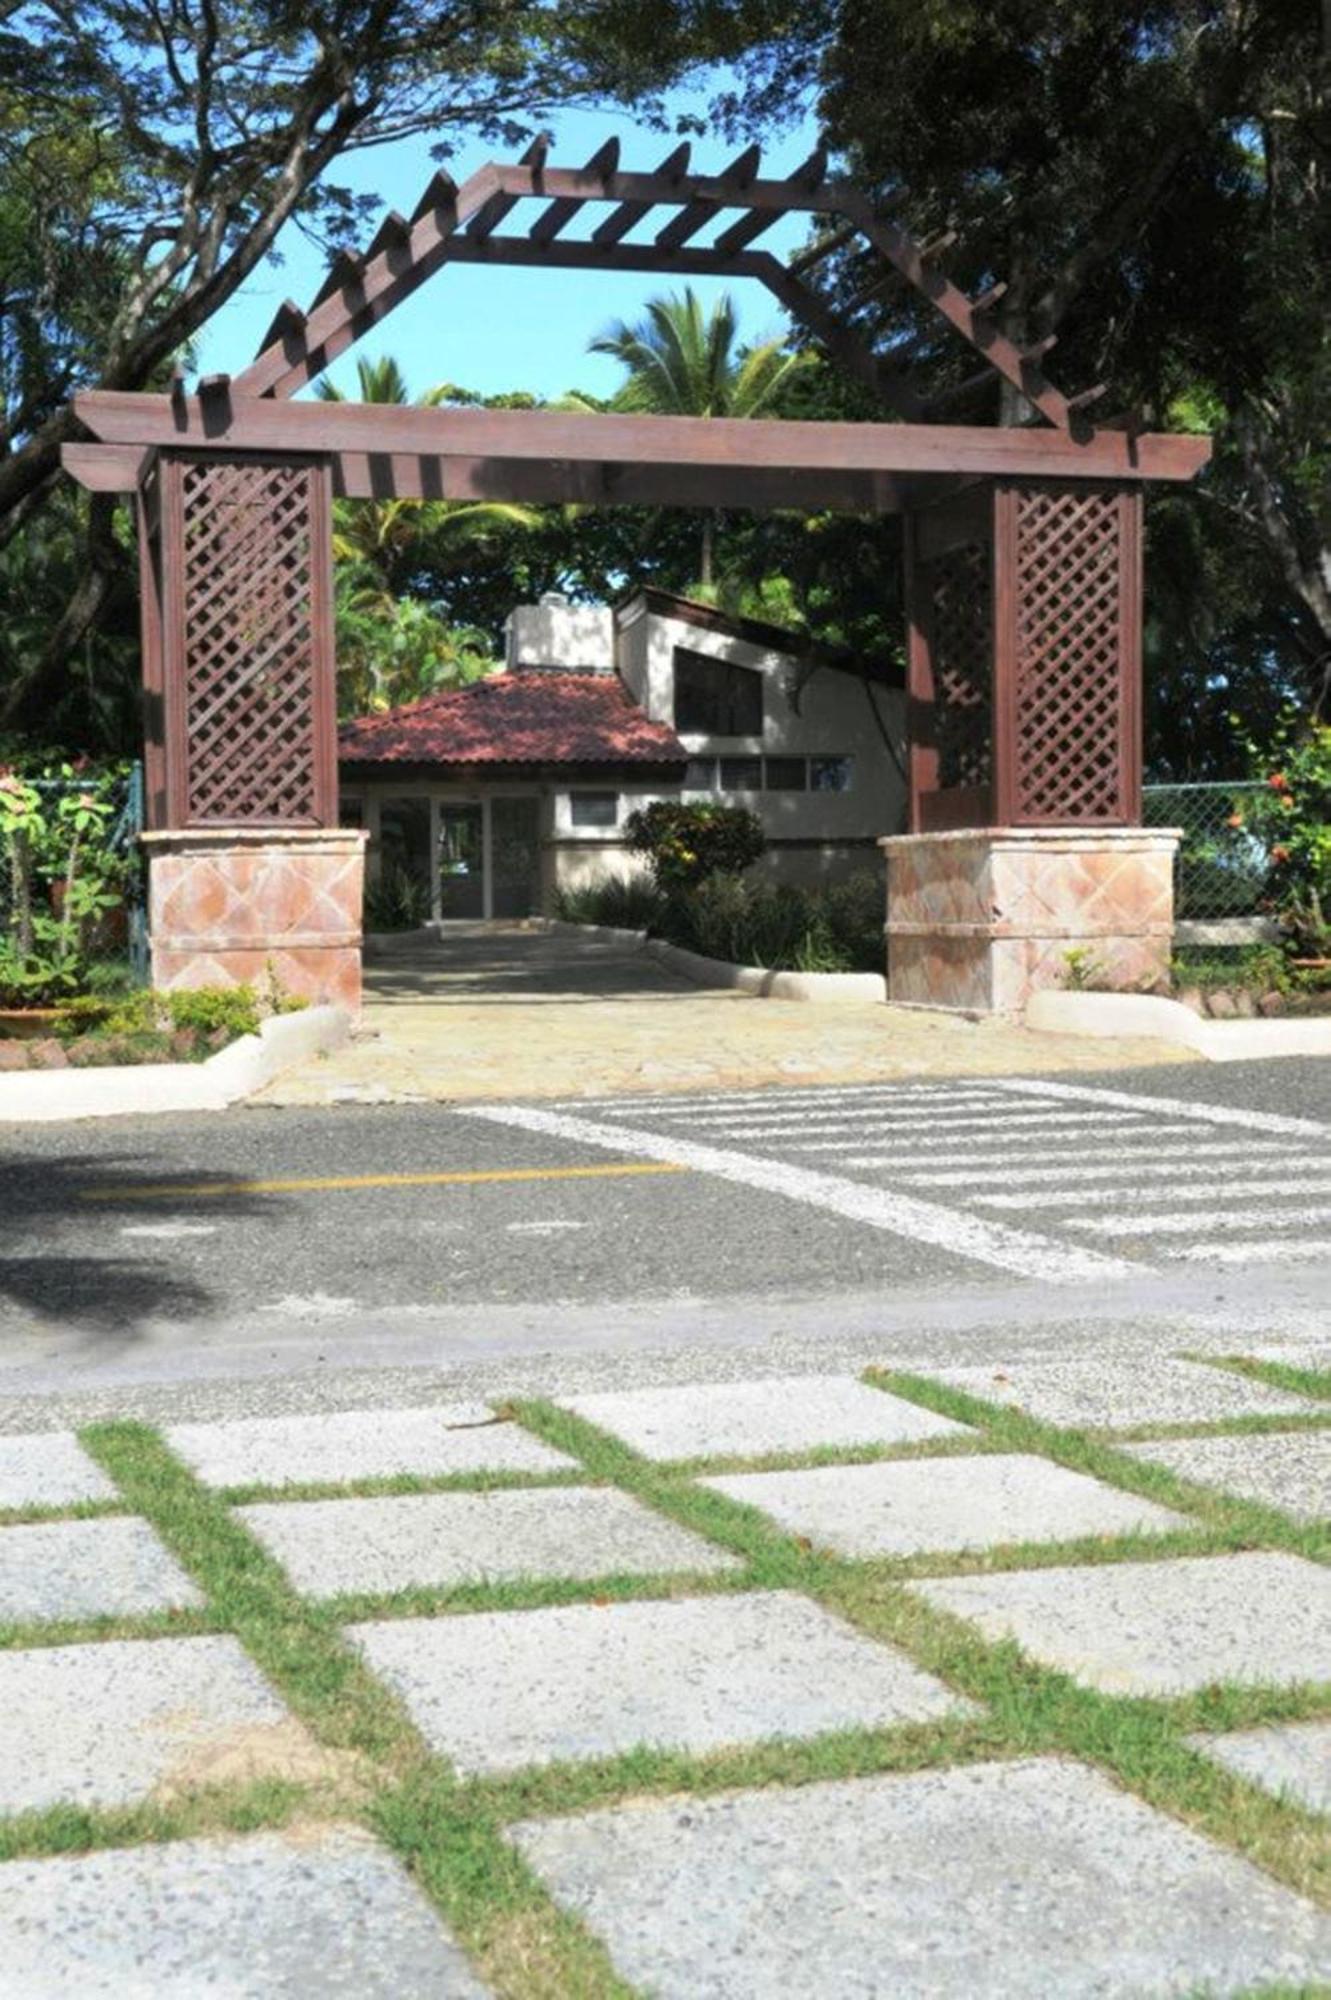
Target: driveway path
[
  {"x": 514, "y": 1011},
  {"x": 703, "y": 1690}
]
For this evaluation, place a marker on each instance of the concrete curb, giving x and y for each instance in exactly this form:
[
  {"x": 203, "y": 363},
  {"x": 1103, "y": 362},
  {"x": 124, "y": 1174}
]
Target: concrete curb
[
  {"x": 45, "y": 1096},
  {"x": 1106, "y": 1015},
  {"x": 598, "y": 933}
]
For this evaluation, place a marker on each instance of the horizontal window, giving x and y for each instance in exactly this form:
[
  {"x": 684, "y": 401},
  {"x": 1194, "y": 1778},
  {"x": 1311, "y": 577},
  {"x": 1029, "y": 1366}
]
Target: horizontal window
[
  {"x": 830, "y": 774},
  {"x": 593, "y": 808},
  {"x": 700, "y": 774},
  {"x": 741, "y": 774},
  {"x": 786, "y": 774}
]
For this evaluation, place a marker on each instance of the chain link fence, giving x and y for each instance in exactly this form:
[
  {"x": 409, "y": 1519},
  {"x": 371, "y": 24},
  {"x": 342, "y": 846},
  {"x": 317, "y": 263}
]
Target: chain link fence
[{"x": 1221, "y": 867}]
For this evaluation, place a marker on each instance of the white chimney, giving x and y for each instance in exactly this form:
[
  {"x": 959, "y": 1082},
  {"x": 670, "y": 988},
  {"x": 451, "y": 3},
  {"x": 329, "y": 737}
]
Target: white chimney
[{"x": 559, "y": 637}]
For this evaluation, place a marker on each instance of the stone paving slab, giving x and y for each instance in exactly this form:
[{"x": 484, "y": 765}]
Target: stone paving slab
[
  {"x": 1096, "y": 1394},
  {"x": 1007, "y": 1880},
  {"x": 909, "y": 1506},
  {"x": 88, "y": 1569},
  {"x": 107, "y": 1723},
  {"x": 730, "y": 1419},
  {"x": 1160, "y": 1628},
  {"x": 1287, "y": 1469},
  {"x": 50, "y": 1469},
  {"x": 329, "y": 1547},
  {"x": 501, "y": 1690},
  {"x": 353, "y": 1444},
  {"x": 314, "y": 1909},
  {"x": 1293, "y": 1758}
]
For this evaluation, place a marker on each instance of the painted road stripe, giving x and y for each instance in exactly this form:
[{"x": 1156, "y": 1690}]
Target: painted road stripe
[
  {"x": 911, "y": 1127},
  {"x": 1091, "y": 1163},
  {"x": 1181, "y": 1225},
  {"x": 1170, "y": 1107},
  {"x": 1047, "y": 1198},
  {"x": 1275, "y": 1250},
  {"x": 859, "y": 1107},
  {"x": 972, "y": 1112},
  {"x": 1021, "y": 1147},
  {"x": 686, "y": 1100},
  {"x": 337, "y": 1184},
  {"x": 974, "y": 1237}
]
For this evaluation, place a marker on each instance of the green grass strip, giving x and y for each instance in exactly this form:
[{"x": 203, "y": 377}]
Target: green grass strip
[
  {"x": 447, "y": 1834},
  {"x": 1315, "y": 1382}
]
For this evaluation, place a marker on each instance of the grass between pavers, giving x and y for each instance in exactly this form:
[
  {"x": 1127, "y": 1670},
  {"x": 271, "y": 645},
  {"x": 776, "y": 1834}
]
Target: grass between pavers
[
  {"x": 451, "y": 1832},
  {"x": 1031, "y": 1709},
  {"x": 71, "y": 1510},
  {"x": 393, "y": 1484},
  {"x": 1275, "y": 1374},
  {"x": 70, "y": 1829},
  {"x": 186, "y": 1622}
]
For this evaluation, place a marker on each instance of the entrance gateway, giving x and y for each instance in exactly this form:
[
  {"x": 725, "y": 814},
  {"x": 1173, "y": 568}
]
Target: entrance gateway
[{"x": 1022, "y": 557}]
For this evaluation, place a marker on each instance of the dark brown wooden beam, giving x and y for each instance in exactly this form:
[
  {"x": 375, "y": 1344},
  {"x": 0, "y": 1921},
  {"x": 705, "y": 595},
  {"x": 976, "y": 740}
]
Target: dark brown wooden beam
[
  {"x": 239, "y": 423},
  {"x": 105, "y": 468},
  {"x": 810, "y": 173},
  {"x": 845, "y": 346},
  {"x": 492, "y": 212},
  {"x": 620, "y": 220},
  {"x": 598, "y": 483},
  {"x": 560, "y": 213},
  {"x": 826, "y": 246},
  {"x": 696, "y": 214}
]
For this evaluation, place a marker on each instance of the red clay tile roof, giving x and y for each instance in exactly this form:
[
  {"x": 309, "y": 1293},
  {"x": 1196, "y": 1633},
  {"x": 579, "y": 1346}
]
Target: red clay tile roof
[{"x": 521, "y": 718}]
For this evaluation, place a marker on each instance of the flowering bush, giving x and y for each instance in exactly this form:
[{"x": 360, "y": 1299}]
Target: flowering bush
[
  {"x": 58, "y": 874},
  {"x": 1292, "y": 815},
  {"x": 685, "y": 844}
]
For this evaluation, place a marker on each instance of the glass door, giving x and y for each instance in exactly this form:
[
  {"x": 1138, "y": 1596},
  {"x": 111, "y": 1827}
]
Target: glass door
[
  {"x": 400, "y": 898},
  {"x": 461, "y": 861},
  {"x": 515, "y": 856}
]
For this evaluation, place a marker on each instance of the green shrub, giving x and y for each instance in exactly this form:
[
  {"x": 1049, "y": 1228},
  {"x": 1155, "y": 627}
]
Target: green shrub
[
  {"x": 1292, "y": 814},
  {"x": 397, "y": 901},
  {"x": 629, "y": 905},
  {"x": 687, "y": 844},
  {"x": 202, "y": 1010},
  {"x": 781, "y": 927}
]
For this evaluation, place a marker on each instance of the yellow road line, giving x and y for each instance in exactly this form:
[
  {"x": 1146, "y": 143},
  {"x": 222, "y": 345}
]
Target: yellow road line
[{"x": 192, "y": 1190}]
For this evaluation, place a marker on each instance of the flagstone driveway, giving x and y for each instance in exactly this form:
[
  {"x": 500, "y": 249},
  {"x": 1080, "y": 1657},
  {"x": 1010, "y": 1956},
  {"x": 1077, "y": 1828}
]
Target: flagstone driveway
[
  {"x": 1012, "y": 1680},
  {"x": 515, "y": 1011}
]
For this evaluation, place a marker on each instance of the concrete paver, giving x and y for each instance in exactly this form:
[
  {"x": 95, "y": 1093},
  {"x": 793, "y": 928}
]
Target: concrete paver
[
  {"x": 88, "y": 1569},
  {"x": 1081, "y": 1390},
  {"x": 501, "y": 1690},
  {"x": 1036, "y": 1877},
  {"x": 730, "y": 1419},
  {"x": 330, "y": 1547},
  {"x": 914, "y": 1505},
  {"x": 1286, "y": 1469},
  {"x": 257, "y": 1918},
  {"x": 340, "y": 1446},
  {"x": 1292, "y": 1759},
  {"x": 50, "y": 1469},
  {"x": 453, "y": 1018},
  {"x": 107, "y": 1723},
  {"x": 1160, "y": 1628}
]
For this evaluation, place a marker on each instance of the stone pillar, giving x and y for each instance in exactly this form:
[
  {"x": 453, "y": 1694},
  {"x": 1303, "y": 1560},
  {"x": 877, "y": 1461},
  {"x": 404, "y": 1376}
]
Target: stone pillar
[
  {"x": 237, "y": 905},
  {"x": 979, "y": 919}
]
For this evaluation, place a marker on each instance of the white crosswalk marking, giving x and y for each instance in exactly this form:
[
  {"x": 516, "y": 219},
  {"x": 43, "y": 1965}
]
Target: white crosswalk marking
[
  {"x": 1206, "y": 1158},
  {"x": 1311, "y": 1182},
  {"x": 1019, "y": 1148},
  {"x": 1271, "y": 1250},
  {"x": 1231, "y": 1115},
  {"x": 909, "y": 1122},
  {"x": 1184, "y": 1225}
]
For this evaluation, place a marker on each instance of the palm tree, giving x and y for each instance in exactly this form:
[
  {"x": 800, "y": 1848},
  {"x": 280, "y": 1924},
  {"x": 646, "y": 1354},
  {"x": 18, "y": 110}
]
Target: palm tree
[
  {"x": 391, "y": 647},
  {"x": 681, "y": 362}
]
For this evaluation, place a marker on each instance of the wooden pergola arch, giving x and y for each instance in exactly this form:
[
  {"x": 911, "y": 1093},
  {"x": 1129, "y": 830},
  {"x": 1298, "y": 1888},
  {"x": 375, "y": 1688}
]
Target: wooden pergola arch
[{"x": 1022, "y": 543}]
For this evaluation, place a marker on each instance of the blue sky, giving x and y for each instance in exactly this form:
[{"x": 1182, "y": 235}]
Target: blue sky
[{"x": 492, "y": 329}]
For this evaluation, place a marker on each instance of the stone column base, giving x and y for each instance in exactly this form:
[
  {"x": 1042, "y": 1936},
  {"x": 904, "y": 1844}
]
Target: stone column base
[
  {"x": 237, "y": 906},
  {"x": 979, "y": 919}
]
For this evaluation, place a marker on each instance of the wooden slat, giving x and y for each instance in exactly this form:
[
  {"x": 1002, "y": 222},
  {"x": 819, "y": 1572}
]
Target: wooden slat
[
  {"x": 620, "y": 220},
  {"x": 560, "y": 213},
  {"x": 404, "y": 476},
  {"x": 985, "y": 301},
  {"x": 441, "y": 192},
  {"x": 696, "y": 214},
  {"x": 241, "y": 423},
  {"x": 846, "y": 346},
  {"x": 393, "y": 233},
  {"x": 810, "y": 173},
  {"x": 826, "y": 246},
  {"x": 492, "y": 212},
  {"x": 288, "y": 319},
  {"x": 346, "y": 272}
]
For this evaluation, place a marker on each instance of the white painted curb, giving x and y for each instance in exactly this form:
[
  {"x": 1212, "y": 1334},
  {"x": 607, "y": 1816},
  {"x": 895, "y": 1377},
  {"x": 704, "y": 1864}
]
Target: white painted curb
[
  {"x": 1056, "y": 1012},
  {"x": 43, "y": 1096},
  {"x": 599, "y": 933},
  {"x": 766, "y": 985}
]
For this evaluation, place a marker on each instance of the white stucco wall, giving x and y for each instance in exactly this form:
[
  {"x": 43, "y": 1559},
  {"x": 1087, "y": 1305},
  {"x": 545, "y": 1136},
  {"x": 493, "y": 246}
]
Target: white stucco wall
[{"x": 556, "y": 634}]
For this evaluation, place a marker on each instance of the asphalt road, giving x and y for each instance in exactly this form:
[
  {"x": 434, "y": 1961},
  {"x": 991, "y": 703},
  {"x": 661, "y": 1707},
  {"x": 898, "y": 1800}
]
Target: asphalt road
[{"x": 271, "y": 1242}]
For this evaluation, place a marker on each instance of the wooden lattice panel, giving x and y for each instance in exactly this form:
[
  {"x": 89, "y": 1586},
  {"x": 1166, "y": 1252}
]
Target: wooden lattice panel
[
  {"x": 251, "y": 669},
  {"x": 961, "y": 647},
  {"x": 1067, "y": 755}
]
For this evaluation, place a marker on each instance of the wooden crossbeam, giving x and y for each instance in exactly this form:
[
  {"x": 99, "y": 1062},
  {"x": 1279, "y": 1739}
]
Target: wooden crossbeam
[
  {"x": 810, "y": 173},
  {"x": 393, "y": 233},
  {"x": 241, "y": 423},
  {"x": 492, "y": 212},
  {"x": 985, "y": 301},
  {"x": 826, "y": 246},
  {"x": 560, "y": 213},
  {"x": 620, "y": 220},
  {"x": 288, "y": 319},
  {"x": 345, "y": 271},
  {"x": 696, "y": 214},
  {"x": 441, "y": 192},
  {"x": 842, "y": 342}
]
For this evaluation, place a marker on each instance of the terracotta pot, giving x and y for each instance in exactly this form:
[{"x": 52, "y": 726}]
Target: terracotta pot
[{"x": 25, "y": 1024}]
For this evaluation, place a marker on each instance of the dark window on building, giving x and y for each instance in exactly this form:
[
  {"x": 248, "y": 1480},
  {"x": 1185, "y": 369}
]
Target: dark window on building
[
  {"x": 700, "y": 774},
  {"x": 716, "y": 698},
  {"x": 593, "y": 808},
  {"x": 829, "y": 774},
  {"x": 787, "y": 774},
  {"x": 351, "y": 812},
  {"x": 741, "y": 774}
]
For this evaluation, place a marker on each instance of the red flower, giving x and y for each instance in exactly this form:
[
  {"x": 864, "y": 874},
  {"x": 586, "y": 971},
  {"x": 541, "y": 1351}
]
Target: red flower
[
  {"x": 1279, "y": 854},
  {"x": 1278, "y": 782},
  {"x": 1235, "y": 819}
]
